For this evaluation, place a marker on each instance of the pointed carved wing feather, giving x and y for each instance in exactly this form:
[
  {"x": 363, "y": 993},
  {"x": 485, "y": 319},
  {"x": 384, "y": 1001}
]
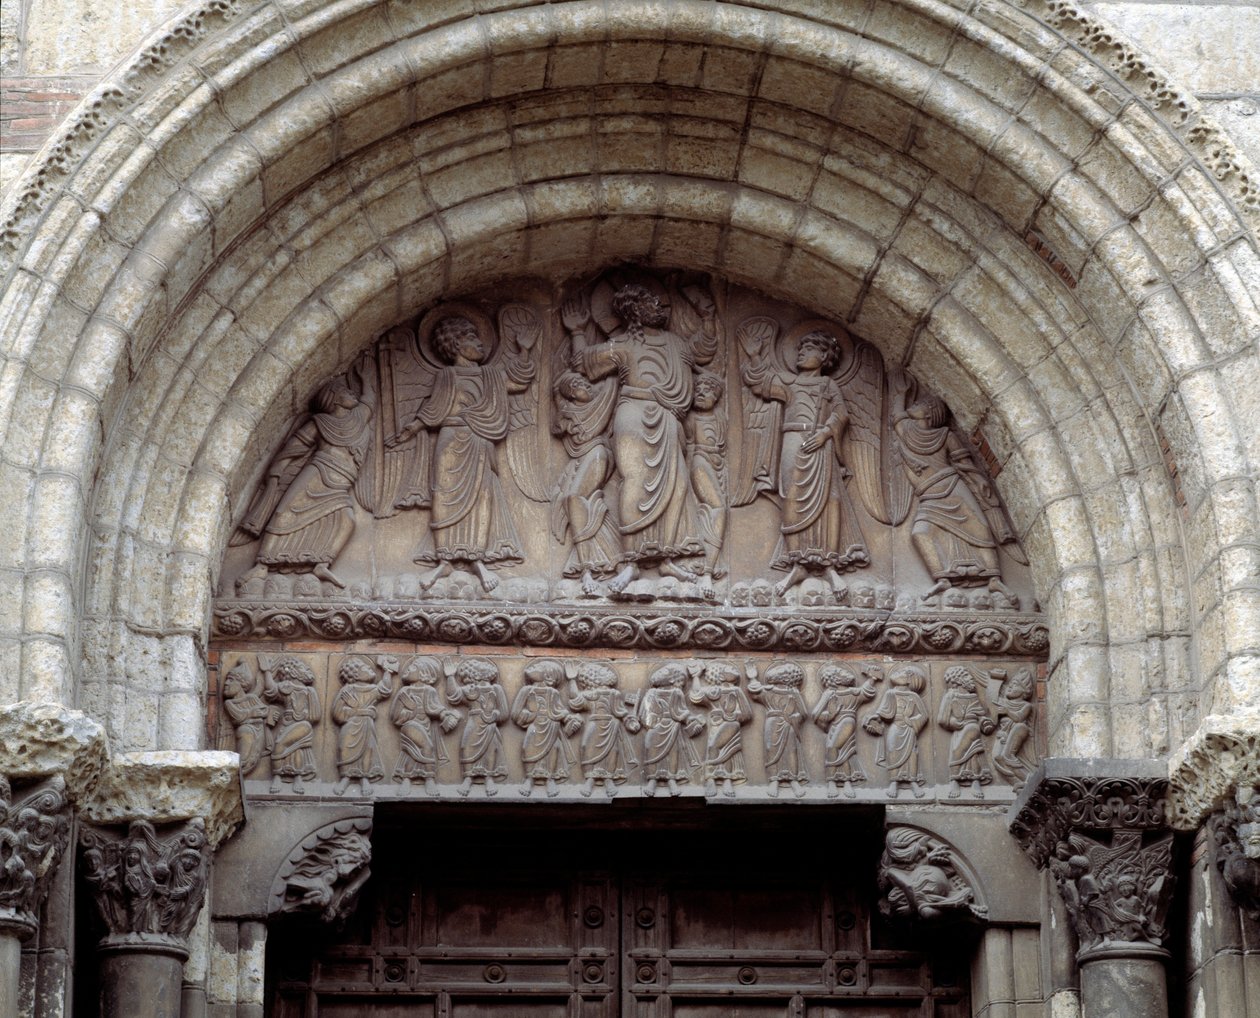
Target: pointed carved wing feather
[
  {"x": 758, "y": 466},
  {"x": 282, "y": 471},
  {"x": 520, "y": 328},
  {"x": 870, "y": 450}
]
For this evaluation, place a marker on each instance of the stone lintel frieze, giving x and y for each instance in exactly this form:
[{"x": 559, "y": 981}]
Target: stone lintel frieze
[
  {"x": 1210, "y": 769},
  {"x": 1101, "y": 828},
  {"x": 168, "y": 786},
  {"x": 34, "y": 829},
  {"x": 149, "y": 883}
]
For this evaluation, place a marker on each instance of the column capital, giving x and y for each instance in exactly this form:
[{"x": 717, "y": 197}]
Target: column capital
[
  {"x": 40, "y": 740},
  {"x": 1210, "y": 769},
  {"x": 1101, "y": 828}
]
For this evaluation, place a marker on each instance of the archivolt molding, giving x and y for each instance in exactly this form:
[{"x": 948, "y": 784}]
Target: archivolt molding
[
  {"x": 1207, "y": 773},
  {"x": 134, "y": 285}
]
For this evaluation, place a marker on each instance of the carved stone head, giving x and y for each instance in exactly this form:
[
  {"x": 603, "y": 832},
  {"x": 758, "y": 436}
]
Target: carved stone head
[
  {"x": 356, "y": 669},
  {"x": 669, "y": 675},
  {"x": 785, "y": 673},
  {"x": 818, "y": 350},
  {"x": 422, "y": 669},
  {"x": 637, "y": 305},
  {"x": 838, "y": 677},
  {"x": 239, "y": 681},
  {"x": 909, "y": 676},
  {"x": 457, "y": 336},
  {"x": 740, "y": 595},
  {"x": 475, "y": 671},
  {"x": 762, "y": 594},
  {"x": 592, "y": 675},
  {"x": 545, "y": 673},
  {"x": 960, "y": 679},
  {"x": 864, "y": 596},
  {"x": 708, "y": 390}
]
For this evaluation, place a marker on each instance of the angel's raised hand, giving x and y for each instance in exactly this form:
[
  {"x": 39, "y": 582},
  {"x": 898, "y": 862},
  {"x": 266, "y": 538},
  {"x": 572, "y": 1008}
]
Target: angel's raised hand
[{"x": 574, "y": 314}]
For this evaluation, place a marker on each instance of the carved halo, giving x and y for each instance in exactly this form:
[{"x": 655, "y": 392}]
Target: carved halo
[
  {"x": 793, "y": 336},
  {"x": 455, "y": 309}
]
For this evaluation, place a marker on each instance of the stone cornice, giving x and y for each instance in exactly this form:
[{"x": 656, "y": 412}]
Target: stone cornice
[{"x": 1209, "y": 769}]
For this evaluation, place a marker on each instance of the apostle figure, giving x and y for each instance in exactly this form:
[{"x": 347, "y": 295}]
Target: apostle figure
[
  {"x": 836, "y": 713},
  {"x": 658, "y": 515},
  {"x": 543, "y": 711},
  {"x": 706, "y": 455},
  {"x": 963, "y": 715},
  {"x": 779, "y": 691},
  {"x": 475, "y": 682},
  {"x": 728, "y": 711},
  {"x": 468, "y": 409},
  {"x": 291, "y": 685},
  {"x": 251, "y": 716},
  {"x": 668, "y": 727},
  {"x": 354, "y": 712},
  {"x": 899, "y": 720},
  {"x": 421, "y": 717},
  {"x": 305, "y": 512}
]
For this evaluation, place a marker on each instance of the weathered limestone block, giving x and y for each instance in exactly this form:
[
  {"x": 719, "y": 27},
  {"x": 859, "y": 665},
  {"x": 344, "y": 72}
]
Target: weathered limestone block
[
  {"x": 39, "y": 740},
  {"x": 1222, "y": 757},
  {"x": 166, "y": 786}
]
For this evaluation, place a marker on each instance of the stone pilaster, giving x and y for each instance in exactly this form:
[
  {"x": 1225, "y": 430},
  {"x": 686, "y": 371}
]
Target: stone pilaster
[{"x": 1100, "y": 826}]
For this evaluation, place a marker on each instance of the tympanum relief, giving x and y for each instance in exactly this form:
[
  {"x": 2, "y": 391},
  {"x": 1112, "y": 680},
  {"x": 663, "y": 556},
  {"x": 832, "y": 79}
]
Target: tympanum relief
[
  {"x": 469, "y": 726},
  {"x": 663, "y": 440}
]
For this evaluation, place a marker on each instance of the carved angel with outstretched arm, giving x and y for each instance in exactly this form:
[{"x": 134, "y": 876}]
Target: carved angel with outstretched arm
[
  {"x": 468, "y": 408},
  {"x": 816, "y": 535},
  {"x": 305, "y": 512}
]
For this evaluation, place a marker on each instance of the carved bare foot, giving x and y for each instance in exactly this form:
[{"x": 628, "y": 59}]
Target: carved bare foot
[
  {"x": 441, "y": 570},
  {"x": 954, "y": 790},
  {"x": 430, "y": 786},
  {"x": 486, "y": 575},
  {"x": 976, "y": 790},
  {"x": 365, "y": 788},
  {"x": 833, "y": 790},
  {"x": 527, "y": 787},
  {"x": 791, "y": 580},
  {"x": 849, "y": 793},
  {"x": 588, "y": 788},
  {"x": 324, "y": 573},
  {"x": 258, "y": 571},
  {"x": 298, "y": 787},
  {"x": 589, "y": 587},
  {"x": 340, "y": 787},
  {"x": 650, "y": 787},
  {"x": 893, "y": 789},
  {"x": 673, "y": 786},
  {"x": 710, "y": 788},
  {"x": 277, "y": 786},
  {"x": 404, "y": 786},
  {"x": 939, "y": 587},
  {"x": 773, "y": 789},
  {"x": 728, "y": 788},
  {"x": 669, "y": 568},
  {"x": 707, "y": 590},
  {"x": 996, "y": 586},
  {"x": 918, "y": 790},
  {"x": 624, "y": 578},
  {"x": 552, "y": 790},
  {"x": 465, "y": 787},
  {"x": 610, "y": 788},
  {"x": 836, "y": 580},
  {"x": 491, "y": 788},
  {"x": 798, "y": 789}
]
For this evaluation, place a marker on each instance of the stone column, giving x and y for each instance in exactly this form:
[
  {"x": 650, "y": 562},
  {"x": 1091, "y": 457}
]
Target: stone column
[
  {"x": 156, "y": 820},
  {"x": 49, "y": 758},
  {"x": 1214, "y": 791},
  {"x": 1100, "y": 827}
]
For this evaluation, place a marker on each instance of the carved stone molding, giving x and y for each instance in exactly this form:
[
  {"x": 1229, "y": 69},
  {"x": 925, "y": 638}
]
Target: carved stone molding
[
  {"x": 923, "y": 880},
  {"x": 1235, "y": 833},
  {"x": 149, "y": 887},
  {"x": 552, "y": 626},
  {"x": 1211, "y": 767},
  {"x": 34, "y": 828},
  {"x": 323, "y": 875},
  {"x": 168, "y": 786},
  {"x": 1101, "y": 828}
]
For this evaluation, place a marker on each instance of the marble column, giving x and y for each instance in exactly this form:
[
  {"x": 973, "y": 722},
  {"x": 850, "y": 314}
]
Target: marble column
[
  {"x": 1100, "y": 827},
  {"x": 1214, "y": 792}
]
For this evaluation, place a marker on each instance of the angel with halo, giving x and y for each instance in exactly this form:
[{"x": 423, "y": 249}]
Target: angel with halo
[
  {"x": 467, "y": 404},
  {"x": 819, "y": 533},
  {"x": 305, "y": 512}
]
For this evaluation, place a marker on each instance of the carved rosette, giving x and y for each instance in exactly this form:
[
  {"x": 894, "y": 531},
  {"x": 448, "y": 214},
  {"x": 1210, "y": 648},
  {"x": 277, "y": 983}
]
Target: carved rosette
[
  {"x": 34, "y": 828},
  {"x": 923, "y": 881},
  {"x": 1105, "y": 838},
  {"x": 149, "y": 888},
  {"x": 323, "y": 874}
]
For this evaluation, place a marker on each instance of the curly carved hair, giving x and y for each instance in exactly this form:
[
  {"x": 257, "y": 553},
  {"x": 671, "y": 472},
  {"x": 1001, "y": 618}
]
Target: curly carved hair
[
  {"x": 785, "y": 673},
  {"x": 356, "y": 669},
  {"x": 960, "y": 678},
  {"x": 837, "y": 676},
  {"x": 476, "y": 669},
  {"x": 591, "y": 675},
  {"x": 828, "y": 344},
  {"x": 448, "y": 333},
  {"x": 635, "y": 304},
  {"x": 292, "y": 669}
]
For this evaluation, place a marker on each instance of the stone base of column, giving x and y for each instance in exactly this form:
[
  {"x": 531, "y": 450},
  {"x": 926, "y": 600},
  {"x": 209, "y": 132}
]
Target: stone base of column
[
  {"x": 142, "y": 976},
  {"x": 10, "y": 972},
  {"x": 1124, "y": 981}
]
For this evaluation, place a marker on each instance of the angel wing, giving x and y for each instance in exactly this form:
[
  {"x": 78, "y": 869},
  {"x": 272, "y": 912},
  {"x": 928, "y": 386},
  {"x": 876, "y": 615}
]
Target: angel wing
[
  {"x": 758, "y": 467},
  {"x": 870, "y": 449},
  {"x": 688, "y": 319},
  {"x": 527, "y": 443},
  {"x": 397, "y": 477}
]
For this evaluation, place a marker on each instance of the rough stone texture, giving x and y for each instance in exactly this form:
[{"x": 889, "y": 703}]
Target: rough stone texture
[
  {"x": 166, "y": 786},
  {"x": 1207, "y": 770},
  {"x": 43, "y": 739}
]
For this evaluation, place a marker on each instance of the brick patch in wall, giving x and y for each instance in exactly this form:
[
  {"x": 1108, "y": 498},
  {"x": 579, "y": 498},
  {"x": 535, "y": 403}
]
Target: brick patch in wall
[{"x": 32, "y": 107}]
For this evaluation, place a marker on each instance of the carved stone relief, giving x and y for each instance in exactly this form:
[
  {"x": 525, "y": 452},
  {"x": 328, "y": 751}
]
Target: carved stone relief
[
  {"x": 722, "y": 726},
  {"x": 1235, "y": 833},
  {"x": 568, "y": 465},
  {"x": 34, "y": 829},
  {"x": 147, "y": 886},
  {"x": 922, "y": 881},
  {"x": 323, "y": 875}
]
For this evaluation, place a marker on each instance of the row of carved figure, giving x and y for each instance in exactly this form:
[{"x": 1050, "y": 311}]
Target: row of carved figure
[
  {"x": 564, "y": 701},
  {"x": 646, "y": 493}
]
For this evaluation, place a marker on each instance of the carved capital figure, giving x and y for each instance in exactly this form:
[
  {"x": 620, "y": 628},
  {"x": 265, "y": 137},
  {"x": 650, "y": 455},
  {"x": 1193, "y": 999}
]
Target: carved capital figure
[
  {"x": 1106, "y": 842},
  {"x": 1236, "y": 836},
  {"x": 323, "y": 875},
  {"x": 34, "y": 826},
  {"x": 921, "y": 880},
  {"x": 149, "y": 888}
]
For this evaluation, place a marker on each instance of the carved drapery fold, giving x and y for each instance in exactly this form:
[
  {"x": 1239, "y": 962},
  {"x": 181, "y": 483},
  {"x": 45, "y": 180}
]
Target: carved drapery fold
[
  {"x": 149, "y": 887},
  {"x": 34, "y": 829},
  {"x": 1103, "y": 833}
]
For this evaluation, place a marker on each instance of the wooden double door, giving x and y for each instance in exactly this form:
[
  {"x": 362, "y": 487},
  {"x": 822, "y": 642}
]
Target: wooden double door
[{"x": 517, "y": 920}]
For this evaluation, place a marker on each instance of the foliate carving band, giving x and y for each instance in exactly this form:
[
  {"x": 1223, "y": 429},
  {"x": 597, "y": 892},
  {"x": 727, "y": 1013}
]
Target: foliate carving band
[
  {"x": 34, "y": 828},
  {"x": 148, "y": 887}
]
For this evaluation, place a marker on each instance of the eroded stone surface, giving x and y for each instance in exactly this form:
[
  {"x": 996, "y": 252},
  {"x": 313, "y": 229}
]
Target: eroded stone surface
[
  {"x": 1208, "y": 771},
  {"x": 43, "y": 739}
]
